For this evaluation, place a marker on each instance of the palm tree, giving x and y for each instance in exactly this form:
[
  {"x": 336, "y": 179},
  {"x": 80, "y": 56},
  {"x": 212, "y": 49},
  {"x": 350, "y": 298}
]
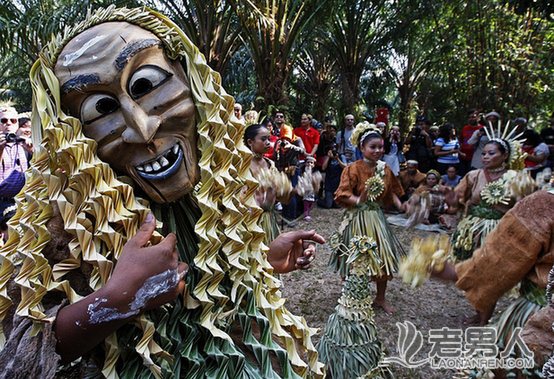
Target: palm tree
[
  {"x": 25, "y": 27},
  {"x": 210, "y": 24},
  {"x": 316, "y": 77},
  {"x": 357, "y": 31},
  {"x": 271, "y": 30}
]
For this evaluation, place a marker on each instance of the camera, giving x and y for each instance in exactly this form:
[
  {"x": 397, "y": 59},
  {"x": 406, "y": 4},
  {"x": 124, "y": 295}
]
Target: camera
[
  {"x": 12, "y": 137},
  {"x": 282, "y": 143}
]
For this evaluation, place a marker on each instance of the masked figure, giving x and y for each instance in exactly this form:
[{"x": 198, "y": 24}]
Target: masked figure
[{"x": 128, "y": 117}]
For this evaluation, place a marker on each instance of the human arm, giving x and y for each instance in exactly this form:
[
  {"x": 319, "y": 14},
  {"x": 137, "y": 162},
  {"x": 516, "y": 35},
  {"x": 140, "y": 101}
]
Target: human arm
[
  {"x": 428, "y": 141},
  {"x": 313, "y": 150},
  {"x": 438, "y": 149},
  {"x": 2, "y": 143},
  {"x": 516, "y": 245},
  {"x": 397, "y": 203},
  {"x": 539, "y": 155},
  {"x": 293, "y": 250},
  {"x": 299, "y": 143},
  {"x": 326, "y": 160},
  {"x": 345, "y": 195},
  {"x": 28, "y": 145},
  {"x": 81, "y": 326},
  {"x": 297, "y": 146},
  {"x": 476, "y": 136},
  {"x": 316, "y": 140},
  {"x": 462, "y": 192}
]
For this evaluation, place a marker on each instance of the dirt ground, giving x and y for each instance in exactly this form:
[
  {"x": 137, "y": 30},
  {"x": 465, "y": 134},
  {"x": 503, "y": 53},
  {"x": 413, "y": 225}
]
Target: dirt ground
[{"x": 313, "y": 293}]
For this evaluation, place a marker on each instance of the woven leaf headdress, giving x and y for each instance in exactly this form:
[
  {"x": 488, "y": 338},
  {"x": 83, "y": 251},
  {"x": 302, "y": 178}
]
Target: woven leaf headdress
[{"x": 101, "y": 212}]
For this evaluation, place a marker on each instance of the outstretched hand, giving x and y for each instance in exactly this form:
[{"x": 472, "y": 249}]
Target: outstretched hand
[{"x": 293, "y": 250}]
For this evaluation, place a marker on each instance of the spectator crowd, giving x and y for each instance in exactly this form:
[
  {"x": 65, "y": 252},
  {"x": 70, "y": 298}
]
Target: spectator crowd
[{"x": 428, "y": 157}]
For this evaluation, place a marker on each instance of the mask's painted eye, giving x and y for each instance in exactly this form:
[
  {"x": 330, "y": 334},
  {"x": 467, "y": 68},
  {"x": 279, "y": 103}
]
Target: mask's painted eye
[
  {"x": 146, "y": 79},
  {"x": 97, "y": 106}
]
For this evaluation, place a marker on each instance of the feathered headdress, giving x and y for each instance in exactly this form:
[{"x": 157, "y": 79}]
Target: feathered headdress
[{"x": 510, "y": 141}]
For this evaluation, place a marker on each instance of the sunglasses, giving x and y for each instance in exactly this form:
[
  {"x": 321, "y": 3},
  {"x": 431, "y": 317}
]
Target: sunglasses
[{"x": 5, "y": 120}]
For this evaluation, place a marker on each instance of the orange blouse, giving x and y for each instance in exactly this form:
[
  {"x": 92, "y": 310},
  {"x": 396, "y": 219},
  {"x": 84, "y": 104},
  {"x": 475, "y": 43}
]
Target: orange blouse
[{"x": 353, "y": 178}]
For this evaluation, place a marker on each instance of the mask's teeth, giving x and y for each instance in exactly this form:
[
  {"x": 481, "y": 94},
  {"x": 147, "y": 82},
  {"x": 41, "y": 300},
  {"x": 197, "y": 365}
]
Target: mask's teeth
[
  {"x": 156, "y": 166},
  {"x": 163, "y": 161},
  {"x": 140, "y": 168},
  {"x": 176, "y": 149},
  {"x": 148, "y": 167}
]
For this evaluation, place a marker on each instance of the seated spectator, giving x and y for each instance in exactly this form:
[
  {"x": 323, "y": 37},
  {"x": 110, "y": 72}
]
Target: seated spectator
[
  {"x": 547, "y": 135},
  {"x": 411, "y": 178},
  {"x": 537, "y": 152},
  {"x": 451, "y": 178},
  {"x": 430, "y": 202}
]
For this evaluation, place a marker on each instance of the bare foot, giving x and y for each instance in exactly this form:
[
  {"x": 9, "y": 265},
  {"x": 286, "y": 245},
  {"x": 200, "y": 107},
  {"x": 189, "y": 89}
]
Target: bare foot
[{"x": 384, "y": 306}]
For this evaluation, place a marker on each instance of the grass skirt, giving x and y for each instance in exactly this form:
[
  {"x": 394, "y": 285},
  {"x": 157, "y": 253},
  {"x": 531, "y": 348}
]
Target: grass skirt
[
  {"x": 516, "y": 314},
  {"x": 268, "y": 222},
  {"x": 532, "y": 299},
  {"x": 349, "y": 346},
  {"x": 472, "y": 230},
  {"x": 365, "y": 220}
]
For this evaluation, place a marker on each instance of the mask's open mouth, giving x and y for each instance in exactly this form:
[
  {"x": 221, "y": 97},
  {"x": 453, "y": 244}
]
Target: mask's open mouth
[{"x": 163, "y": 166}]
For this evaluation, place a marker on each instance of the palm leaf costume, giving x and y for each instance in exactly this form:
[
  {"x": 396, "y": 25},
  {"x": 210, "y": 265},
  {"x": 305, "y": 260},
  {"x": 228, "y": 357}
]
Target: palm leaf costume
[
  {"x": 232, "y": 322},
  {"x": 350, "y": 346}
]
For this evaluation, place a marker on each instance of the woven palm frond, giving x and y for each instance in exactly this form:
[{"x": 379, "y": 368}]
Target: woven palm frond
[{"x": 350, "y": 346}]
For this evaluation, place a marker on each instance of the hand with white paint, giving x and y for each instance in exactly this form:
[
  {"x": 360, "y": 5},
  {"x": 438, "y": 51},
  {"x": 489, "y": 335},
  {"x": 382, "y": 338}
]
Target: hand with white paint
[
  {"x": 145, "y": 277},
  {"x": 148, "y": 276}
]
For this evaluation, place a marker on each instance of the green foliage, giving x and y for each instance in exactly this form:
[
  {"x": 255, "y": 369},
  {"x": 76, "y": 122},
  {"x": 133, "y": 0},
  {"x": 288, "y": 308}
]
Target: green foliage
[
  {"x": 271, "y": 31},
  {"x": 357, "y": 31},
  {"x": 332, "y": 56},
  {"x": 25, "y": 26},
  {"x": 210, "y": 24}
]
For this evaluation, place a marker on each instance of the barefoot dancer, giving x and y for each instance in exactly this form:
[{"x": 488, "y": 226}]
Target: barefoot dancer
[{"x": 365, "y": 186}]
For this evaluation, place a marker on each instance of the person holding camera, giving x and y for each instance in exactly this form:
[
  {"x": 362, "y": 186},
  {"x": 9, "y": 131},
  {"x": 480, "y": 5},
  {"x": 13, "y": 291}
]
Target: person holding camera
[
  {"x": 14, "y": 159},
  {"x": 393, "y": 149},
  {"x": 420, "y": 144},
  {"x": 332, "y": 166}
]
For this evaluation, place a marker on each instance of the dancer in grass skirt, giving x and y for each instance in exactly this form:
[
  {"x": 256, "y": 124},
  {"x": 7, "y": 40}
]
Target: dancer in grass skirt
[
  {"x": 365, "y": 186},
  {"x": 273, "y": 185}
]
